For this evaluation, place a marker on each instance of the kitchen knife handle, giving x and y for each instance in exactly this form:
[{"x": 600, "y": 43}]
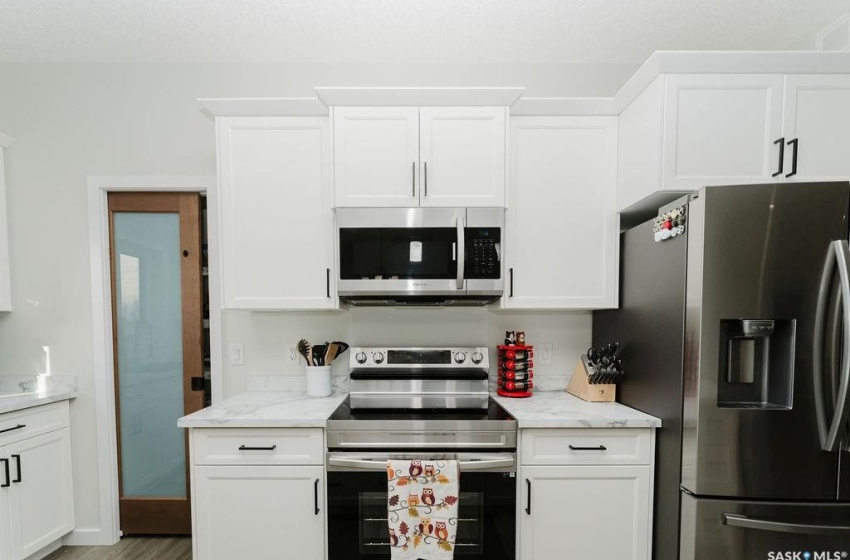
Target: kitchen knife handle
[
  {"x": 246, "y": 448},
  {"x": 316, "y": 495},
  {"x": 781, "y": 143},
  {"x": 793, "y": 143},
  {"x": 17, "y": 459},
  {"x": 8, "y": 475},
  {"x": 511, "y": 282},
  {"x": 528, "y": 502},
  {"x": 735, "y": 520},
  {"x": 597, "y": 448}
]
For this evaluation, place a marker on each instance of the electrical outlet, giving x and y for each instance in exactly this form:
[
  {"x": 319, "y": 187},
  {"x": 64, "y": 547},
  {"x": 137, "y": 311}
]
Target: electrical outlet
[
  {"x": 545, "y": 354},
  {"x": 291, "y": 354},
  {"x": 237, "y": 354}
]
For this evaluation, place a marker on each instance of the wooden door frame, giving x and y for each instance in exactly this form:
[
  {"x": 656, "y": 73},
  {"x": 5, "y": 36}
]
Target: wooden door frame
[{"x": 108, "y": 532}]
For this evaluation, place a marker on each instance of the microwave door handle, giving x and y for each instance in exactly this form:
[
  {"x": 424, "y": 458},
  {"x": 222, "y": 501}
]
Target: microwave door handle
[{"x": 461, "y": 253}]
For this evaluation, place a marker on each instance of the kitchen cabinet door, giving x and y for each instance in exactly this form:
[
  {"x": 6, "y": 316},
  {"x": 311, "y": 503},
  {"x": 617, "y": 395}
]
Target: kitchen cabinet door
[
  {"x": 591, "y": 512},
  {"x": 258, "y": 512},
  {"x": 376, "y": 156},
  {"x": 561, "y": 222},
  {"x": 462, "y": 156},
  {"x": 5, "y": 273},
  {"x": 41, "y": 496},
  {"x": 817, "y": 116},
  {"x": 275, "y": 213},
  {"x": 719, "y": 129}
]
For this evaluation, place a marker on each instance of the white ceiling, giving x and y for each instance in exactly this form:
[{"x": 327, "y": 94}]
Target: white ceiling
[{"x": 399, "y": 31}]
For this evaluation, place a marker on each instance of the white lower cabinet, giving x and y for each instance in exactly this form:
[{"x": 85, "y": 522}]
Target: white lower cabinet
[
  {"x": 585, "y": 493},
  {"x": 258, "y": 493},
  {"x": 592, "y": 512},
  {"x": 259, "y": 512},
  {"x": 36, "y": 492}
]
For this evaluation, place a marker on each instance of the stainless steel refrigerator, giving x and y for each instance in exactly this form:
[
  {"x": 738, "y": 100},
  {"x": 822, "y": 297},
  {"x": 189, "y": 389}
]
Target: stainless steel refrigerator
[{"x": 736, "y": 332}]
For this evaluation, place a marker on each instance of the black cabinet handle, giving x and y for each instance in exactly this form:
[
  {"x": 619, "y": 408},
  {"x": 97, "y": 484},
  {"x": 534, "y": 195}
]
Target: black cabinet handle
[
  {"x": 246, "y": 448},
  {"x": 316, "y": 495},
  {"x": 18, "y": 427},
  {"x": 328, "y": 282},
  {"x": 528, "y": 502},
  {"x": 793, "y": 143},
  {"x": 8, "y": 478},
  {"x": 781, "y": 143},
  {"x": 597, "y": 448},
  {"x": 426, "y": 178},
  {"x": 511, "y": 282},
  {"x": 17, "y": 459},
  {"x": 413, "y": 178}
]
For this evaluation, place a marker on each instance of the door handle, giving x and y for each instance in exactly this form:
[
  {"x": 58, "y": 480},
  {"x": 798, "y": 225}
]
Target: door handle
[
  {"x": 246, "y": 448},
  {"x": 328, "y": 282},
  {"x": 528, "y": 499},
  {"x": 511, "y": 282},
  {"x": 425, "y": 173},
  {"x": 8, "y": 477},
  {"x": 413, "y": 178},
  {"x": 781, "y": 143},
  {"x": 838, "y": 254},
  {"x": 316, "y": 495},
  {"x": 735, "y": 520},
  {"x": 461, "y": 248},
  {"x": 18, "y": 427},
  {"x": 17, "y": 459},
  {"x": 793, "y": 143},
  {"x": 597, "y": 448}
]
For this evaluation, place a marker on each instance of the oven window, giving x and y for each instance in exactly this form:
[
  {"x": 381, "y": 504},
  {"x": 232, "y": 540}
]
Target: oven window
[
  {"x": 397, "y": 253},
  {"x": 357, "y": 516}
]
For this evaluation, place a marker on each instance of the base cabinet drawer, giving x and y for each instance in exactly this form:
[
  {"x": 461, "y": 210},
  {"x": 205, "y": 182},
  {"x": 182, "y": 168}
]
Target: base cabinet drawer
[
  {"x": 258, "y": 446},
  {"x": 30, "y": 422},
  {"x": 587, "y": 446},
  {"x": 592, "y": 512},
  {"x": 258, "y": 512}
]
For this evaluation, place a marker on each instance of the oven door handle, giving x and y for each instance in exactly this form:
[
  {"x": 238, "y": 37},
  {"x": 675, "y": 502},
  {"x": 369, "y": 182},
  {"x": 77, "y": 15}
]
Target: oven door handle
[{"x": 370, "y": 465}]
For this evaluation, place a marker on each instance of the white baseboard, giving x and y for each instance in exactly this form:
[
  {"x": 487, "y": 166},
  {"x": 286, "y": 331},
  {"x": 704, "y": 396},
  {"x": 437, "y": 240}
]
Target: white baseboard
[
  {"x": 89, "y": 537},
  {"x": 52, "y": 547}
]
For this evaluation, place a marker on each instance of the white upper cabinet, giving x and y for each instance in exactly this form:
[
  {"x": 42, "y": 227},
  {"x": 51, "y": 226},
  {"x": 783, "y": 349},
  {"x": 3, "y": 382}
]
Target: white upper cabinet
[
  {"x": 411, "y": 156},
  {"x": 5, "y": 273},
  {"x": 816, "y": 123},
  {"x": 561, "y": 224},
  {"x": 686, "y": 131},
  {"x": 376, "y": 156},
  {"x": 275, "y": 213},
  {"x": 462, "y": 154}
]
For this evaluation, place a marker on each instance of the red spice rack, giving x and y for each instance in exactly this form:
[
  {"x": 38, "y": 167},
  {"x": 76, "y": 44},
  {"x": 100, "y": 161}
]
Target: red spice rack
[{"x": 515, "y": 370}]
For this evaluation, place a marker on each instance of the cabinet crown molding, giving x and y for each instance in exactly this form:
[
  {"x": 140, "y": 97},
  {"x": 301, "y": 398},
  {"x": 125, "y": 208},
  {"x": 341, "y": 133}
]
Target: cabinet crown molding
[
  {"x": 262, "y": 107},
  {"x": 6, "y": 140},
  {"x": 418, "y": 96}
]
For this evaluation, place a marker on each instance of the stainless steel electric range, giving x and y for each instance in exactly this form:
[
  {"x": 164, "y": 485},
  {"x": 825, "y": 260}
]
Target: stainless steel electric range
[{"x": 420, "y": 403}]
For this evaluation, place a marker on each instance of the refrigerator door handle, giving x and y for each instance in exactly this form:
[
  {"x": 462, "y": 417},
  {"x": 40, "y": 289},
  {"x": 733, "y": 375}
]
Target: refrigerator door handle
[
  {"x": 744, "y": 522},
  {"x": 837, "y": 254}
]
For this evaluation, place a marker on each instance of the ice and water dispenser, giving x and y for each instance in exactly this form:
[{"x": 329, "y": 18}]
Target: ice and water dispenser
[{"x": 756, "y": 363}]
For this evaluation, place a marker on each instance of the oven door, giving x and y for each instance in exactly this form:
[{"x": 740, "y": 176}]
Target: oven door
[{"x": 357, "y": 505}]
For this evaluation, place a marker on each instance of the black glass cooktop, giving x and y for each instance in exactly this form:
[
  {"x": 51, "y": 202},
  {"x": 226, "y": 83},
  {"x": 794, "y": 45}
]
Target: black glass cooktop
[{"x": 492, "y": 412}]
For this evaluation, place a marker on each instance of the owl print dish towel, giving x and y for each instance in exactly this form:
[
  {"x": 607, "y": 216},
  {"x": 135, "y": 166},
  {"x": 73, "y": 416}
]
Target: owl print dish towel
[{"x": 422, "y": 502}]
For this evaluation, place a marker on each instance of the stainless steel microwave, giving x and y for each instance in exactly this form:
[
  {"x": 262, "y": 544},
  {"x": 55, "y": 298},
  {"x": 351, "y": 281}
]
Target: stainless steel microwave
[{"x": 420, "y": 256}]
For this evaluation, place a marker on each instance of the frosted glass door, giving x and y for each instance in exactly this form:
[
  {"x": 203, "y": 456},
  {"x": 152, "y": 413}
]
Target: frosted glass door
[{"x": 154, "y": 363}]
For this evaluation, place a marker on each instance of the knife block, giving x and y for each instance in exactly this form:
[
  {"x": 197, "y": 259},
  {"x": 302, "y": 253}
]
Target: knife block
[{"x": 581, "y": 387}]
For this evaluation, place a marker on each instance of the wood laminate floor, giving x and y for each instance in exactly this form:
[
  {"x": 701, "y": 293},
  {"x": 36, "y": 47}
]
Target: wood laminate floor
[{"x": 130, "y": 548}]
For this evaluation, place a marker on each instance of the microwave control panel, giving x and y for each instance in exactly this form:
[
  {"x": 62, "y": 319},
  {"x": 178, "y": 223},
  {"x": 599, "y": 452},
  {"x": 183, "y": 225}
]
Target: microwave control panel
[{"x": 483, "y": 253}]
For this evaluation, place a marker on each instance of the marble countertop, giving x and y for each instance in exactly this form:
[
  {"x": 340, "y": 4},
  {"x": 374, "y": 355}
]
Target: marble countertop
[
  {"x": 556, "y": 409},
  {"x": 559, "y": 409},
  {"x": 20, "y": 392},
  {"x": 267, "y": 410}
]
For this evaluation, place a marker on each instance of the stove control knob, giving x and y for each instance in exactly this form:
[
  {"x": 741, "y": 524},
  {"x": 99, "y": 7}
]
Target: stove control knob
[
  {"x": 378, "y": 357},
  {"x": 460, "y": 357},
  {"x": 360, "y": 357},
  {"x": 477, "y": 358}
]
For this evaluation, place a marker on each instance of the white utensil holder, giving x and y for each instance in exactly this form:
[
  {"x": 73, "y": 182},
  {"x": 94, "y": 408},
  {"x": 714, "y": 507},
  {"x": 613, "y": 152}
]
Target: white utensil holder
[{"x": 318, "y": 381}]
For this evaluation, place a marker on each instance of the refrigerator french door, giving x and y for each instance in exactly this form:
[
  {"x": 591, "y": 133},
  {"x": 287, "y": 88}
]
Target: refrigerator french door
[{"x": 754, "y": 422}]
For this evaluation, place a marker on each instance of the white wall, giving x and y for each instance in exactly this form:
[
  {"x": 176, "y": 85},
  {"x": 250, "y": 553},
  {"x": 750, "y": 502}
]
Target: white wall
[{"x": 75, "y": 120}]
